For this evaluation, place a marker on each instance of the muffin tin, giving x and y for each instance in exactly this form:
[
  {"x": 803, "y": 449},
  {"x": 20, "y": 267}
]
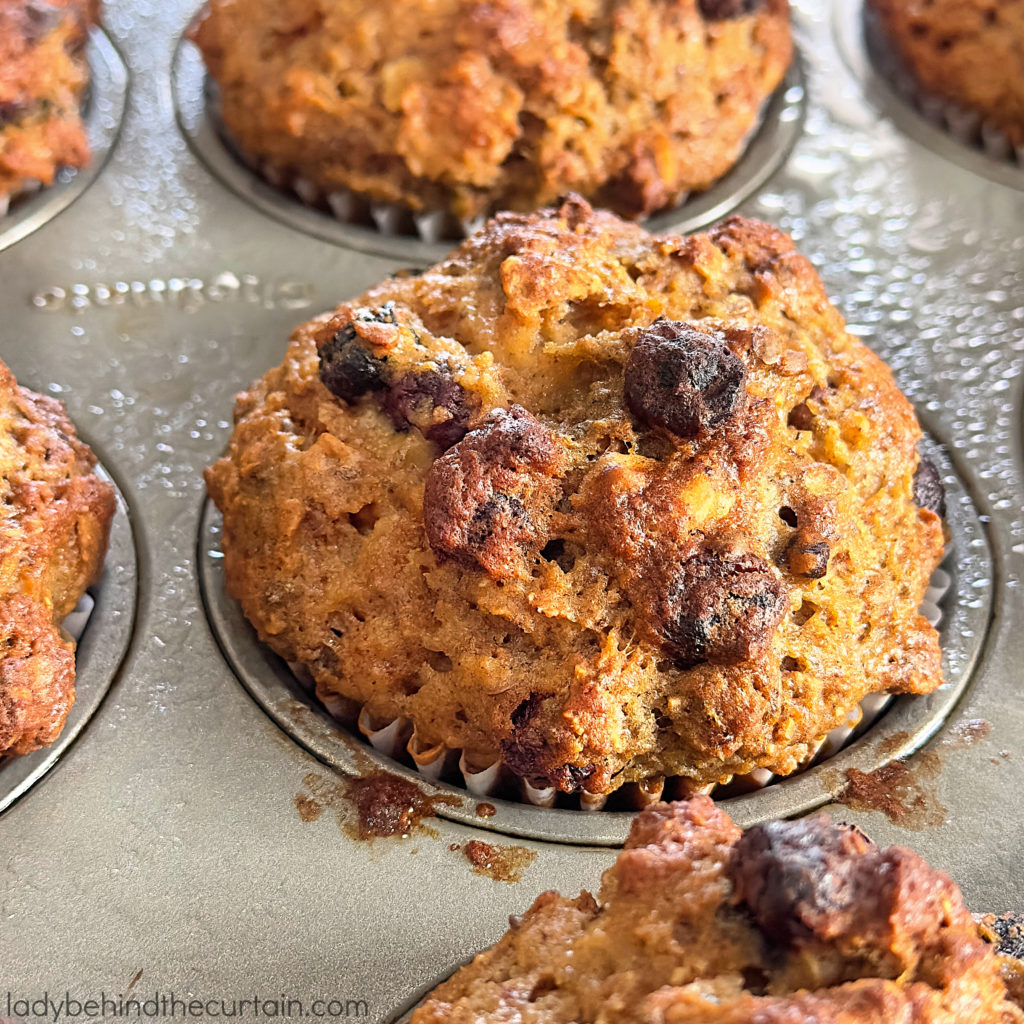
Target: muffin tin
[{"x": 186, "y": 833}]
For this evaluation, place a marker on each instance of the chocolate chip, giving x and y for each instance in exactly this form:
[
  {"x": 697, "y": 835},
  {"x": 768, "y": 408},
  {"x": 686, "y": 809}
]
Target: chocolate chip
[
  {"x": 11, "y": 111},
  {"x": 487, "y": 500},
  {"x": 347, "y": 370},
  {"x": 538, "y": 751},
  {"x": 415, "y": 397},
  {"x": 801, "y": 417},
  {"x": 723, "y": 10},
  {"x": 1010, "y": 930},
  {"x": 721, "y": 610},
  {"x": 798, "y": 878},
  {"x": 683, "y": 380},
  {"x": 929, "y": 492},
  {"x": 808, "y": 557}
]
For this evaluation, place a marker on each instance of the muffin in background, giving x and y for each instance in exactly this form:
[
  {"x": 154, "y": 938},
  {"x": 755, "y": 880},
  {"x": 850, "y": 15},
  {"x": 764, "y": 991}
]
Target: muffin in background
[
  {"x": 969, "y": 53},
  {"x": 470, "y": 107},
  {"x": 699, "y": 923},
  {"x": 53, "y": 536},
  {"x": 43, "y": 75},
  {"x": 594, "y": 504}
]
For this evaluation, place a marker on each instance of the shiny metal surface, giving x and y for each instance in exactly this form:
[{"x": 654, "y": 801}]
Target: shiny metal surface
[{"x": 168, "y": 839}]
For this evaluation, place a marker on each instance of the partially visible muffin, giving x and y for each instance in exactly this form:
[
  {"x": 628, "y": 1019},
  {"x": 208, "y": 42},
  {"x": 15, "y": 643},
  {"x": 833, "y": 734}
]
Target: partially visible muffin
[
  {"x": 598, "y": 504},
  {"x": 968, "y": 52},
  {"x": 43, "y": 75},
  {"x": 791, "y": 922},
  {"x": 53, "y": 536},
  {"x": 474, "y": 106}
]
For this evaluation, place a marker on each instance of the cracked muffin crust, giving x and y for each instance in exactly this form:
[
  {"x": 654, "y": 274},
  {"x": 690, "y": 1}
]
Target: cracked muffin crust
[
  {"x": 54, "y": 522},
  {"x": 43, "y": 75},
  {"x": 699, "y": 923},
  {"x": 475, "y": 106},
  {"x": 969, "y": 52},
  {"x": 598, "y": 504}
]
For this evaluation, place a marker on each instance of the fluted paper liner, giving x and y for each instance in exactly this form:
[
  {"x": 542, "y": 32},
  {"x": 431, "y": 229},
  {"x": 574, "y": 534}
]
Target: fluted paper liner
[{"x": 396, "y": 738}]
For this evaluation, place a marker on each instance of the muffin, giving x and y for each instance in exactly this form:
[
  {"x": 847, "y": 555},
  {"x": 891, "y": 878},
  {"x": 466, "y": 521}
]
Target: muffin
[
  {"x": 966, "y": 52},
  {"x": 597, "y": 504},
  {"x": 700, "y": 923},
  {"x": 471, "y": 106},
  {"x": 43, "y": 74},
  {"x": 53, "y": 538}
]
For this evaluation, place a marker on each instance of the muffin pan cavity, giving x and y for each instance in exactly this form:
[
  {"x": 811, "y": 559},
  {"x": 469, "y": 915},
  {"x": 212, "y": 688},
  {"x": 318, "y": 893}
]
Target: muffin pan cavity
[
  {"x": 902, "y": 726},
  {"x": 105, "y": 99},
  {"x": 393, "y": 231},
  {"x": 102, "y": 625}
]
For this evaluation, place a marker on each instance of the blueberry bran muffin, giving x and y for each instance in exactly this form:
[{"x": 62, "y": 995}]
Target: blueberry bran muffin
[
  {"x": 53, "y": 536},
  {"x": 969, "y": 52},
  {"x": 43, "y": 74},
  {"x": 473, "y": 106},
  {"x": 790, "y": 922},
  {"x": 600, "y": 504}
]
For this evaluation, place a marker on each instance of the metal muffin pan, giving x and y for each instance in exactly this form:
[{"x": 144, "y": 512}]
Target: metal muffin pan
[
  {"x": 168, "y": 838},
  {"x": 100, "y": 651},
  {"x": 197, "y": 109},
  {"x": 104, "y": 108}
]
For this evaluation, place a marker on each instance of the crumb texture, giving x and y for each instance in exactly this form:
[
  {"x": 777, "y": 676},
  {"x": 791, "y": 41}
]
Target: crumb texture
[
  {"x": 476, "y": 106},
  {"x": 600, "y": 504},
  {"x": 54, "y": 522},
  {"x": 801, "y": 922}
]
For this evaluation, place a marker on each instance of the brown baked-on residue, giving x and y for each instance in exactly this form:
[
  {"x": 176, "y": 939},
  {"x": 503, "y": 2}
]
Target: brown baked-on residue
[
  {"x": 54, "y": 521},
  {"x": 600, "y": 504},
  {"x": 479, "y": 105},
  {"x": 43, "y": 74},
  {"x": 968, "y": 52},
  {"x": 791, "y": 922}
]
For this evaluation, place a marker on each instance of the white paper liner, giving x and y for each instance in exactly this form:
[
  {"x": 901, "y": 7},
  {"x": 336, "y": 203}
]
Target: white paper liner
[
  {"x": 397, "y": 738},
  {"x": 964, "y": 125},
  {"x": 75, "y": 623}
]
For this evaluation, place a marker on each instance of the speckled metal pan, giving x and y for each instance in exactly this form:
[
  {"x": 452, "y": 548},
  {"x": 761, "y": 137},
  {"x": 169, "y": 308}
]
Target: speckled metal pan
[
  {"x": 344, "y": 218},
  {"x": 105, "y": 100},
  {"x": 185, "y": 833},
  {"x": 103, "y": 633}
]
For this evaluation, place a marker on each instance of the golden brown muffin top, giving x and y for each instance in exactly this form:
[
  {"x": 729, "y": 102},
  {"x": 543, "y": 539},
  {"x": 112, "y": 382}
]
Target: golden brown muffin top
[
  {"x": 970, "y": 52},
  {"x": 54, "y": 520},
  {"x": 700, "y": 923},
  {"x": 503, "y": 104},
  {"x": 599, "y": 504}
]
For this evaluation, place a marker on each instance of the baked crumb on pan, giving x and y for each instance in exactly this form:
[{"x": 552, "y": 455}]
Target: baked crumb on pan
[
  {"x": 54, "y": 523},
  {"x": 968, "y": 52},
  {"x": 790, "y": 922},
  {"x": 598, "y": 504},
  {"x": 43, "y": 74},
  {"x": 475, "y": 106}
]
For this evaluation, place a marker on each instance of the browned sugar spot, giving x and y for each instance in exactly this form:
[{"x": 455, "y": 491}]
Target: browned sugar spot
[
  {"x": 308, "y": 808},
  {"x": 486, "y": 810},
  {"x": 966, "y": 734},
  {"x": 499, "y": 863},
  {"x": 900, "y": 791},
  {"x": 377, "y": 805}
]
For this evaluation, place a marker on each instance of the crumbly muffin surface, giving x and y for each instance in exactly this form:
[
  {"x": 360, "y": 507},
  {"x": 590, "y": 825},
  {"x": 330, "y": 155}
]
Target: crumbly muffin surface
[
  {"x": 43, "y": 75},
  {"x": 53, "y": 534},
  {"x": 970, "y": 52},
  {"x": 476, "y": 106},
  {"x": 599, "y": 504},
  {"x": 698, "y": 923}
]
